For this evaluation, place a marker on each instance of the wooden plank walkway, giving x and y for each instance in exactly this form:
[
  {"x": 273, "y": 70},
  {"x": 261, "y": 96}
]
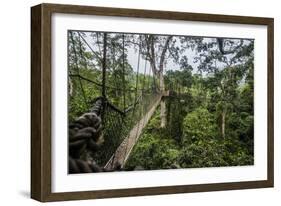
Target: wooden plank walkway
[{"x": 123, "y": 151}]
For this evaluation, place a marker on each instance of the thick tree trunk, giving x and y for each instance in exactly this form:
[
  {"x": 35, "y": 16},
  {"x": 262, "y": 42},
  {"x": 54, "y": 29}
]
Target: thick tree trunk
[
  {"x": 163, "y": 114},
  {"x": 152, "y": 58},
  {"x": 162, "y": 86},
  {"x": 161, "y": 82},
  {"x": 223, "y": 114}
]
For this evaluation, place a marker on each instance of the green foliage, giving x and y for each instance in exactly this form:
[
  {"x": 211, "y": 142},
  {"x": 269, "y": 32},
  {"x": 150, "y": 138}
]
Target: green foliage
[
  {"x": 199, "y": 124},
  {"x": 154, "y": 150},
  {"x": 212, "y": 152},
  {"x": 202, "y": 153},
  {"x": 210, "y": 115},
  {"x": 201, "y": 146}
]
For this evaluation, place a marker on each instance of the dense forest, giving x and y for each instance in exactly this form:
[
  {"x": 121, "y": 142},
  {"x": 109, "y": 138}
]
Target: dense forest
[{"x": 205, "y": 115}]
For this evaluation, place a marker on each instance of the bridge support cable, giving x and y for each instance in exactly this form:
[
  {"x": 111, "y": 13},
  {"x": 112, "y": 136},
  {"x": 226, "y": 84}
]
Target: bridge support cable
[
  {"x": 121, "y": 122},
  {"x": 123, "y": 151}
]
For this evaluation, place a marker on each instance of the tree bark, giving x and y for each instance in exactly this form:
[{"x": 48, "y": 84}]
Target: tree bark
[
  {"x": 158, "y": 72},
  {"x": 162, "y": 57},
  {"x": 162, "y": 86}
]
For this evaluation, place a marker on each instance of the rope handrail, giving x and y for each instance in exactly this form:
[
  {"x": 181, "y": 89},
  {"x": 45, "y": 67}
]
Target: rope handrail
[
  {"x": 112, "y": 106},
  {"x": 115, "y": 124},
  {"x": 132, "y": 89}
]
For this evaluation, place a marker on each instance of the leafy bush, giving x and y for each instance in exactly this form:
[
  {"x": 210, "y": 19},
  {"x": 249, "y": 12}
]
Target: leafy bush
[
  {"x": 154, "y": 149},
  {"x": 202, "y": 146},
  {"x": 199, "y": 124}
]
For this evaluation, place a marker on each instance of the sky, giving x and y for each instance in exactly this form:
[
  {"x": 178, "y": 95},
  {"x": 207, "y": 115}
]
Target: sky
[
  {"x": 133, "y": 61},
  {"x": 133, "y": 56}
]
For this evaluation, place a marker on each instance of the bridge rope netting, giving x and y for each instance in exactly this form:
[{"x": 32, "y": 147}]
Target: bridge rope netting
[{"x": 113, "y": 112}]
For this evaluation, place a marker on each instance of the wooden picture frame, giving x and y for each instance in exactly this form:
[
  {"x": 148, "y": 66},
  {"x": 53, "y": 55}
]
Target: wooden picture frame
[{"x": 41, "y": 97}]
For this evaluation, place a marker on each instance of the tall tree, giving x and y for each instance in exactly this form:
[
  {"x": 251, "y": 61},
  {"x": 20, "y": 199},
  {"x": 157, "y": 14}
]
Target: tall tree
[
  {"x": 155, "y": 49},
  {"x": 225, "y": 60}
]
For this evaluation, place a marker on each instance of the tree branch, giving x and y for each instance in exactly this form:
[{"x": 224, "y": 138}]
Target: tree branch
[
  {"x": 220, "y": 42},
  {"x": 162, "y": 57}
]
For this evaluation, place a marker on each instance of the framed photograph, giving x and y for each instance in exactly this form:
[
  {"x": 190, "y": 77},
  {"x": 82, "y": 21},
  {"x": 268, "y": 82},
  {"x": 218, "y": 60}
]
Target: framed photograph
[{"x": 130, "y": 102}]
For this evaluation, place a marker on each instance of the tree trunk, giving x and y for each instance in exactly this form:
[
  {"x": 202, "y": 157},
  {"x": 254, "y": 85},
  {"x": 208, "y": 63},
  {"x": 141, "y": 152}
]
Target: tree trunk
[
  {"x": 223, "y": 124},
  {"x": 163, "y": 114},
  {"x": 151, "y": 57},
  {"x": 163, "y": 104}
]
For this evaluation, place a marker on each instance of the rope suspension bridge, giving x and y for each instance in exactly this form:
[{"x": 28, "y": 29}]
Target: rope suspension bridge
[{"x": 115, "y": 115}]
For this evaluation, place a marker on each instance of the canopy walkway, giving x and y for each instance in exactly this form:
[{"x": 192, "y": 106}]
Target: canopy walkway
[
  {"x": 123, "y": 151},
  {"x": 119, "y": 128}
]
